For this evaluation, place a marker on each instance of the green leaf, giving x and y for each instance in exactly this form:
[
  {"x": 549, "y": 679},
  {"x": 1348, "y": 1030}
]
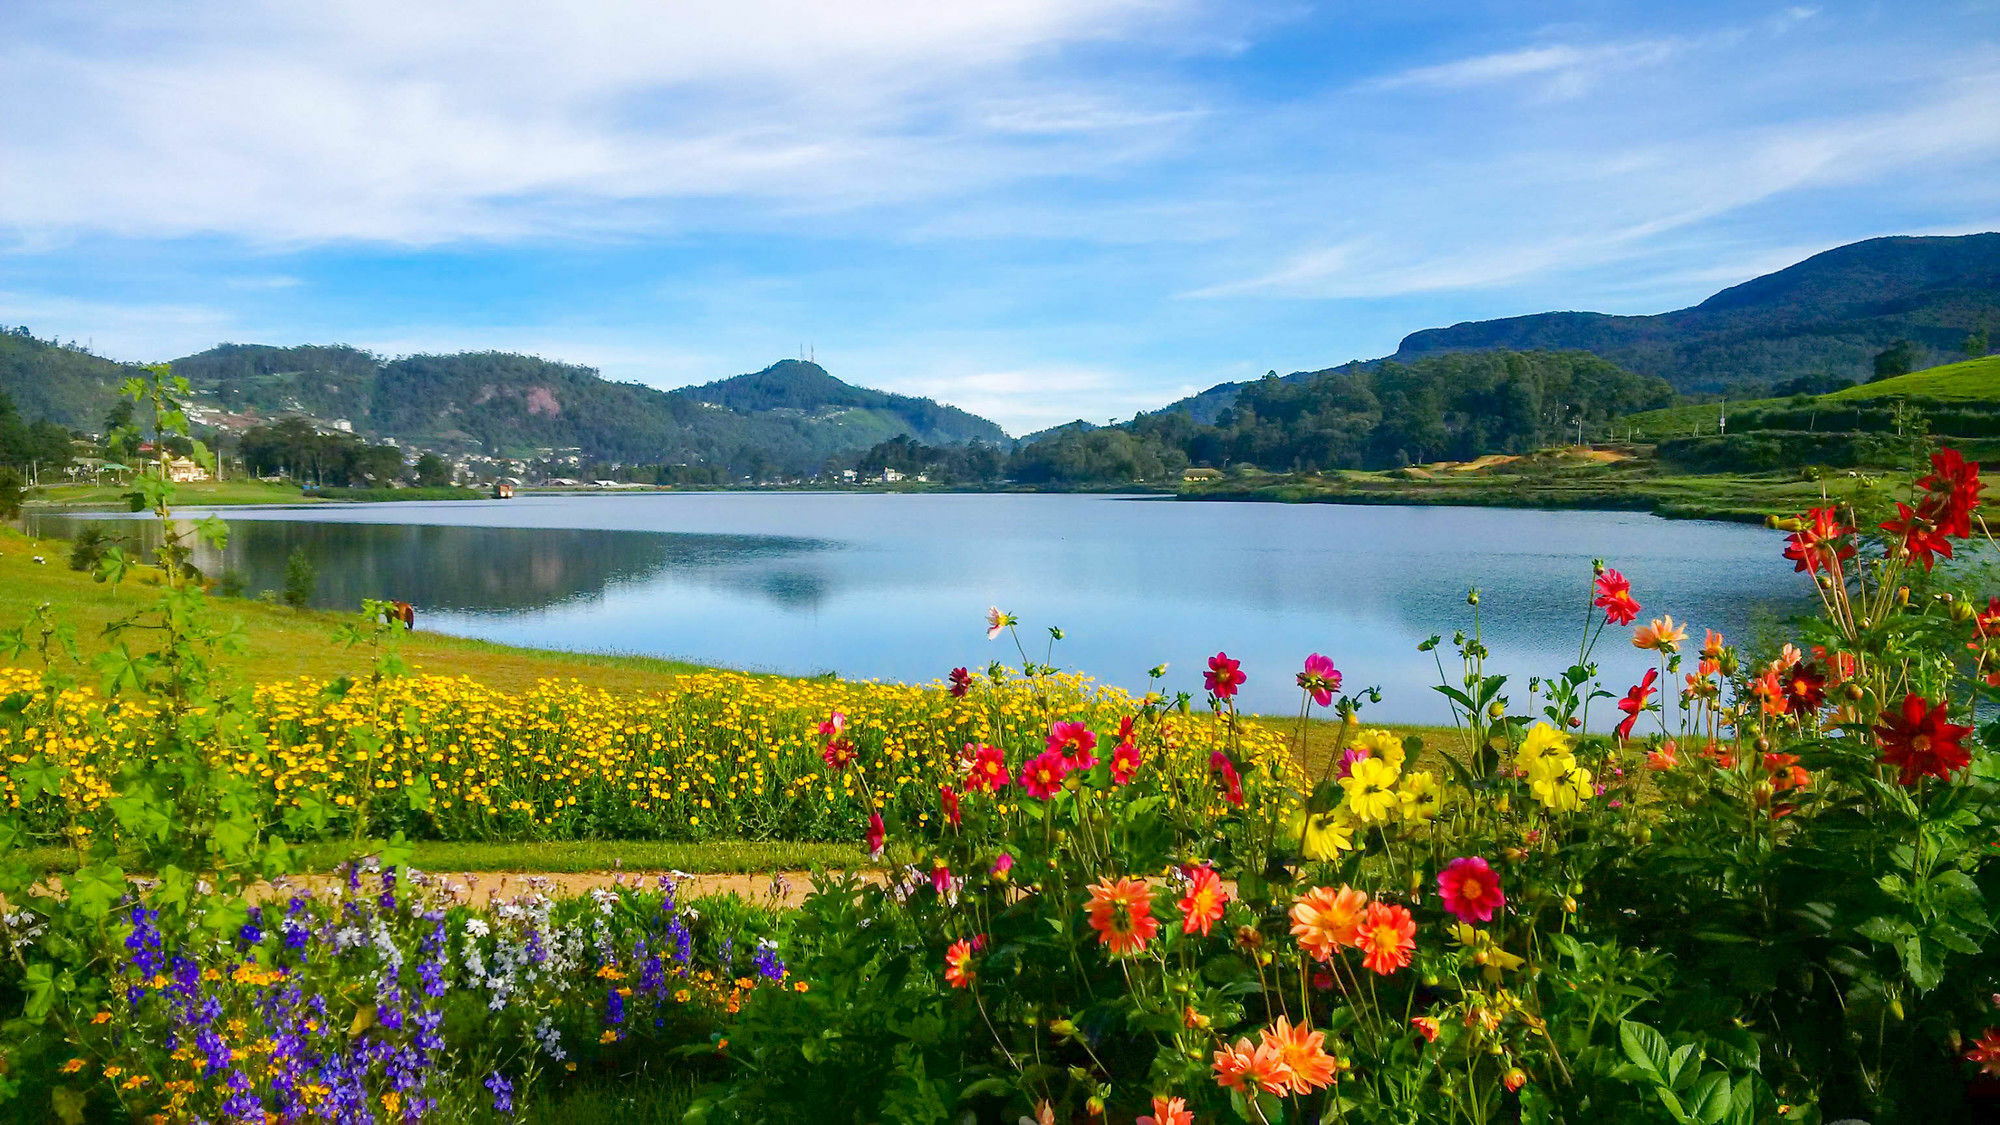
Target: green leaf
[
  {"x": 1710, "y": 1100},
  {"x": 40, "y": 985},
  {"x": 1646, "y": 1047},
  {"x": 94, "y": 890}
]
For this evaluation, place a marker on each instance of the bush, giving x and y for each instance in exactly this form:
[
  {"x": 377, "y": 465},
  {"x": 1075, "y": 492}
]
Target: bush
[
  {"x": 301, "y": 578},
  {"x": 13, "y": 490}
]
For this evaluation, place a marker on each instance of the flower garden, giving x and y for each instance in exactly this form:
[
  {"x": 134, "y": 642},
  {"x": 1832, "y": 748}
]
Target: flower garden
[{"x": 1762, "y": 897}]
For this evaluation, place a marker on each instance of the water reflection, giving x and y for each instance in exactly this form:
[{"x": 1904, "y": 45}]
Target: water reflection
[
  {"x": 893, "y": 586},
  {"x": 481, "y": 569}
]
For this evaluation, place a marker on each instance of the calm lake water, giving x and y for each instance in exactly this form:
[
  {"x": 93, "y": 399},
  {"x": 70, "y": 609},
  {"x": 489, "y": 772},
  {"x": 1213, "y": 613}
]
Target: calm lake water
[{"x": 894, "y": 587}]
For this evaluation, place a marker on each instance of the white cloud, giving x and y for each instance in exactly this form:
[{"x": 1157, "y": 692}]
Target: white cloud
[
  {"x": 1563, "y": 69},
  {"x": 1569, "y": 214},
  {"x": 430, "y": 123}
]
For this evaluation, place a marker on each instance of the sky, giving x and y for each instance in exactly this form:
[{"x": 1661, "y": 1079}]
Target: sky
[{"x": 1038, "y": 210}]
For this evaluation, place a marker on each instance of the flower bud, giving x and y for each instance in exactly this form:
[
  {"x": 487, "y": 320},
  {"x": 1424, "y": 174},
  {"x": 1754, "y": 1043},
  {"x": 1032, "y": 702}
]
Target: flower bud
[{"x": 1514, "y": 1079}]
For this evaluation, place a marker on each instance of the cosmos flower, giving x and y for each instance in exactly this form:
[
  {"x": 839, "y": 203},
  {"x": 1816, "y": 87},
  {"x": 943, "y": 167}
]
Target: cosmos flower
[
  {"x": 961, "y": 683},
  {"x": 876, "y": 836},
  {"x": 1805, "y": 688}
]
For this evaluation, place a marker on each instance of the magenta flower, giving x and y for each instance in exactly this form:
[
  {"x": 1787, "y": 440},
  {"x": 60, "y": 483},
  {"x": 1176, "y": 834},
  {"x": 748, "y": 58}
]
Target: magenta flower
[
  {"x": 1003, "y": 865},
  {"x": 1227, "y": 779},
  {"x": 834, "y": 724},
  {"x": 1073, "y": 741},
  {"x": 1470, "y": 889},
  {"x": 877, "y": 835},
  {"x": 1042, "y": 776},
  {"x": 1223, "y": 677},
  {"x": 1320, "y": 678}
]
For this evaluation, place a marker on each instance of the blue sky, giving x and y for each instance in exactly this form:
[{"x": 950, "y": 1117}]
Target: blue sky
[{"x": 1035, "y": 209}]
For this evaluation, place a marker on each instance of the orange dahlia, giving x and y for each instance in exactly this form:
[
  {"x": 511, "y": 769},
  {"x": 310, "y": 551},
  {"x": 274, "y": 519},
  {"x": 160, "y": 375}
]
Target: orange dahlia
[
  {"x": 958, "y": 964},
  {"x": 1303, "y": 1052},
  {"x": 1121, "y": 911},
  {"x": 1325, "y": 920},
  {"x": 1201, "y": 909},
  {"x": 1241, "y": 1066},
  {"x": 1388, "y": 936}
]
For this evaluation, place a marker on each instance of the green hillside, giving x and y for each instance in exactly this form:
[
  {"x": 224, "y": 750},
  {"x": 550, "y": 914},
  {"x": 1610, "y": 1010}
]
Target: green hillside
[
  {"x": 1973, "y": 380},
  {"x": 1825, "y": 316},
  {"x": 63, "y": 385}
]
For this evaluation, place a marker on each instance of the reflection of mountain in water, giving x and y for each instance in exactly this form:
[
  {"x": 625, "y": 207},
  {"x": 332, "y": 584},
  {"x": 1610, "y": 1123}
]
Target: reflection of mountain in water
[
  {"x": 491, "y": 569},
  {"x": 481, "y": 568}
]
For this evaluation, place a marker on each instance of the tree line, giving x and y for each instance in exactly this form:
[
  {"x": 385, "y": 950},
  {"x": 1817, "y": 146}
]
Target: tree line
[{"x": 1361, "y": 416}]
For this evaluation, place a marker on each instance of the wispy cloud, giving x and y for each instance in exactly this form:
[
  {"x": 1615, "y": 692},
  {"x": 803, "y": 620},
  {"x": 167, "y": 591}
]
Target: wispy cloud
[{"x": 1562, "y": 69}]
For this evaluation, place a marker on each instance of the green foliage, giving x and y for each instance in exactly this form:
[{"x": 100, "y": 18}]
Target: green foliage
[
  {"x": 1388, "y": 415},
  {"x": 1899, "y": 358},
  {"x": 13, "y": 490},
  {"x": 301, "y": 578}
]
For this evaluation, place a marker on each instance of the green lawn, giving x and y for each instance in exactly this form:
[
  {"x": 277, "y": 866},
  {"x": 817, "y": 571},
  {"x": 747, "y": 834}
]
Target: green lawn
[{"x": 197, "y": 494}]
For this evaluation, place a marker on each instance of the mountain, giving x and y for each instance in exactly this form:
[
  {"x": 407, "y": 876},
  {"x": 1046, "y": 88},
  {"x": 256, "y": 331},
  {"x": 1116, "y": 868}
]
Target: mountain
[
  {"x": 804, "y": 390},
  {"x": 1829, "y": 314},
  {"x": 63, "y": 384},
  {"x": 788, "y": 418}
]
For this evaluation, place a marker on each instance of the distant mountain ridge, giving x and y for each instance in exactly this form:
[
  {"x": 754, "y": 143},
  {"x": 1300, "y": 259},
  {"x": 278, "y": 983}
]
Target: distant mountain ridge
[
  {"x": 1830, "y": 313},
  {"x": 790, "y": 416}
]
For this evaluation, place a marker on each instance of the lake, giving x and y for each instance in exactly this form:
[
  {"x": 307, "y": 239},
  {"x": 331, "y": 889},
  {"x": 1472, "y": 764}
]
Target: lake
[{"x": 895, "y": 586}]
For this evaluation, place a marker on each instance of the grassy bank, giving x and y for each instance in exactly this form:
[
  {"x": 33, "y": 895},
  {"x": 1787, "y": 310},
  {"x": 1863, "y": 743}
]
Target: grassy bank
[
  {"x": 283, "y": 643},
  {"x": 1548, "y": 482},
  {"x": 208, "y": 493}
]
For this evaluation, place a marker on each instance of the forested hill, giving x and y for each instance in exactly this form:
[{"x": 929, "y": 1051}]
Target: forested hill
[
  {"x": 65, "y": 385},
  {"x": 1363, "y": 416},
  {"x": 805, "y": 389},
  {"x": 788, "y": 418},
  {"x": 1828, "y": 314}
]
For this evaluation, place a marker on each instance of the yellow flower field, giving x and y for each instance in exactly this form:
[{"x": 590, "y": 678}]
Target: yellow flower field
[{"x": 715, "y": 754}]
